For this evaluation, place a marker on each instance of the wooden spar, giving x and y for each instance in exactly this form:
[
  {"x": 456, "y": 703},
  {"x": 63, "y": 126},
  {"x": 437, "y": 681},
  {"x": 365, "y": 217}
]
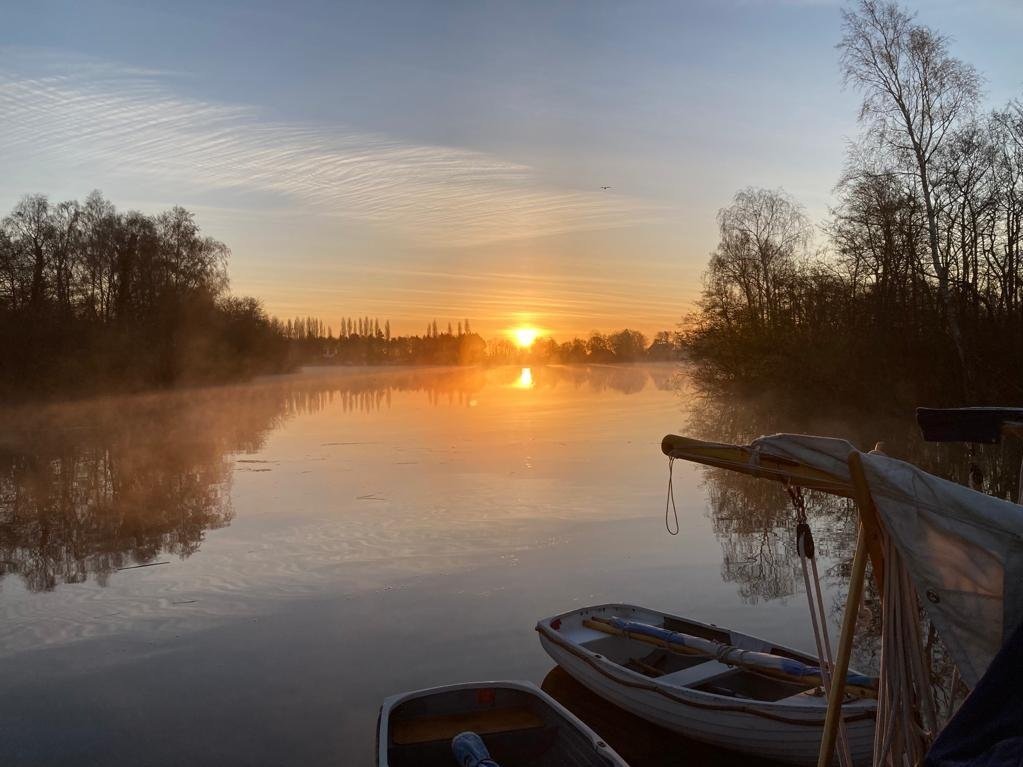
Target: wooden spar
[
  {"x": 601, "y": 624},
  {"x": 762, "y": 465},
  {"x": 852, "y": 607},
  {"x": 869, "y": 518}
]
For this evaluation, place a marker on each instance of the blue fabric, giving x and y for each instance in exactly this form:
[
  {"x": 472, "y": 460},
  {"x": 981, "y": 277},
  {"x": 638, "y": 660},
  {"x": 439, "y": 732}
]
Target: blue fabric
[
  {"x": 470, "y": 751},
  {"x": 987, "y": 731},
  {"x": 646, "y": 629}
]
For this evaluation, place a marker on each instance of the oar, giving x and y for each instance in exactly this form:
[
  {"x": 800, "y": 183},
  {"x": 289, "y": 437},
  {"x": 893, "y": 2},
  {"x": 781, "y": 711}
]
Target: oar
[{"x": 604, "y": 625}]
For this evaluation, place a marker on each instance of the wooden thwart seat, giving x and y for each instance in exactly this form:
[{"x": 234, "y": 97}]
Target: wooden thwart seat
[
  {"x": 424, "y": 729},
  {"x": 701, "y": 672}
]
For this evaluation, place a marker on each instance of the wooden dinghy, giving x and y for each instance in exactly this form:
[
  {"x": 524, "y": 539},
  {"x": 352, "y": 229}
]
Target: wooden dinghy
[
  {"x": 657, "y": 667},
  {"x": 520, "y": 725}
]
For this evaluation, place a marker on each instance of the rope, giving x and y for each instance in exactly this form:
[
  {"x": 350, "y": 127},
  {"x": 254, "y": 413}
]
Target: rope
[
  {"x": 906, "y": 716},
  {"x": 669, "y": 503},
  {"x": 796, "y": 495},
  {"x": 815, "y": 604}
]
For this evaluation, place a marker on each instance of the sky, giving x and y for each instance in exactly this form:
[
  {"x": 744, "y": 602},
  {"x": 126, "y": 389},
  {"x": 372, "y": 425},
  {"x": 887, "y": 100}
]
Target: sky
[{"x": 441, "y": 160}]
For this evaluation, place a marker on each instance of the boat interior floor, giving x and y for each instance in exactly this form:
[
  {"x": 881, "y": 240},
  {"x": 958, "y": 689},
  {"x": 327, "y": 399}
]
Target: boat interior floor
[{"x": 708, "y": 675}]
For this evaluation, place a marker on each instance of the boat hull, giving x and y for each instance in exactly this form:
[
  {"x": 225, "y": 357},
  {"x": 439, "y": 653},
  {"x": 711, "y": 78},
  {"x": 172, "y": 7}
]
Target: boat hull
[
  {"x": 523, "y": 722},
  {"x": 785, "y": 731}
]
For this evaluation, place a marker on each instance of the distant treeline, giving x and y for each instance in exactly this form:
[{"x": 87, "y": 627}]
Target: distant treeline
[
  {"x": 93, "y": 299},
  {"x": 364, "y": 341},
  {"x": 917, "y": 295}
]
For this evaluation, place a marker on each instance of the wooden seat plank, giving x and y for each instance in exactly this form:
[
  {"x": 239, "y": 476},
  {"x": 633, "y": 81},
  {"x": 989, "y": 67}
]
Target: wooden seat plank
[
  {"x": 701, "y": 672},
  {"x": 423, "y": 729}
]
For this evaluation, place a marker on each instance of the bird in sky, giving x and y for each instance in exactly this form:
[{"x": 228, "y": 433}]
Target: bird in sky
[{"x": 605, "y": 188}]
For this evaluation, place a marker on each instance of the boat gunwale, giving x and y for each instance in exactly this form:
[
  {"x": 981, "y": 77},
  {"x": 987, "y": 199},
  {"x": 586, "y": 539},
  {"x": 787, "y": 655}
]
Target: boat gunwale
[{"x": 861, "y": 709}]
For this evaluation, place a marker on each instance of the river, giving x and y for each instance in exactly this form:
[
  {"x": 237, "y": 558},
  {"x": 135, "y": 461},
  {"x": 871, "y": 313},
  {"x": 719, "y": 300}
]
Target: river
[{"x": 239, "y": 575}]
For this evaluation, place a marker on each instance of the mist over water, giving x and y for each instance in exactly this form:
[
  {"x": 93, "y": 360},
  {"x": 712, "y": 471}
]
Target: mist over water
[{"x": 284, "y": 554}]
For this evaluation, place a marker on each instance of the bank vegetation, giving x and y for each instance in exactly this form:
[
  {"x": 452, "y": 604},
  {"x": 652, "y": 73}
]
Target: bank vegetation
[{"x": 912, "y": 290}]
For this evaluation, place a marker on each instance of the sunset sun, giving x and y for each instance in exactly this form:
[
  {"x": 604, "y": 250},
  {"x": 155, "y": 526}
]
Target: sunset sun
[{"x": 524, "y": 336}]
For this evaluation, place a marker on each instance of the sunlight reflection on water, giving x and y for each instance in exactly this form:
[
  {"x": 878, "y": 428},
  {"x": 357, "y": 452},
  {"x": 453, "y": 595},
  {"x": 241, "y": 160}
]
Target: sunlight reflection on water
[
  {"x": 525, "y": 379},
  {"x": 330, "y": 538}
]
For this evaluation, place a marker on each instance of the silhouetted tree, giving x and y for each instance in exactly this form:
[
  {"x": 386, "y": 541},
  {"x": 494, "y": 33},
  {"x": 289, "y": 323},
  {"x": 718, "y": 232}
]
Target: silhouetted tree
[
  {"x": 94, "y": 299},
  {"x": 921, "y": 275},
  {"x": 914, "y": 95}
]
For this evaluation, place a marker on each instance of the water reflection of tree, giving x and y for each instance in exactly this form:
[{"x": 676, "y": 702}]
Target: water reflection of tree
[
  {"x": 369, "y": 391},
  {"x": 89, "y": 488},
  {"x": 623, "y": 379},
  {"x": 717, "y": 415},
  {"x": 755, "y": 523}
]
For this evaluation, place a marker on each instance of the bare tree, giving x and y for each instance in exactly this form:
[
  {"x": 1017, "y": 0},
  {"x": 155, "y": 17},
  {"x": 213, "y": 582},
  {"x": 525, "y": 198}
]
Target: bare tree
[
  {"x": 1007, "y": 260},
  {"x": 914, "y": 94},
  {"x": 64, "y": 234},
  {"x": 99, "y": 228},
  {"x": 30, "y": 228},
  {"x": 876, "y": 231},
  {"x": 762, "y": 232}
]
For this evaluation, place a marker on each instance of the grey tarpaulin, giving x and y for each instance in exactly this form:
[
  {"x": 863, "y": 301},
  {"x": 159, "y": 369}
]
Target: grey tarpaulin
[{"x": 963, "y": 549}]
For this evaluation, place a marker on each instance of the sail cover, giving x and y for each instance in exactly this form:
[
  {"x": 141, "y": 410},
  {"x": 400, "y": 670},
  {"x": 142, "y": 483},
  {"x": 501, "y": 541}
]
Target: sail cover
[{"x": 963, "y": 549}]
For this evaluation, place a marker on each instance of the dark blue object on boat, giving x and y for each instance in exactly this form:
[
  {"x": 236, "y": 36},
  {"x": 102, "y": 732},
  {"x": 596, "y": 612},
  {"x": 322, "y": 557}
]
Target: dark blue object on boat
[
  {"x": 470, "y": 751},
  {"x": 966, "y": 424},
  {"x": 987, "y": 731},
  {"x": 727, "y": 652}
]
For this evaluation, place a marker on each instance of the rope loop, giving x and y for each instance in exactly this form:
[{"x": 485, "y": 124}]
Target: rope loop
[{"x": 669, "y": 503}]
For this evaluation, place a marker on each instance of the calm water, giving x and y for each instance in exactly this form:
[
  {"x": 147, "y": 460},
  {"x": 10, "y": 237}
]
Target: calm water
[{"x": 320, "y": 541}]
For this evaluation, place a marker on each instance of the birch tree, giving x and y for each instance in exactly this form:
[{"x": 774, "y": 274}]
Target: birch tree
[{"x": 914, "y": 94}]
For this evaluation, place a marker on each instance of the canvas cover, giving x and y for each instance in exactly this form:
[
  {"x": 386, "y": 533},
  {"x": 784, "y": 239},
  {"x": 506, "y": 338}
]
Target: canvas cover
[{"x": 963, "y": 549}]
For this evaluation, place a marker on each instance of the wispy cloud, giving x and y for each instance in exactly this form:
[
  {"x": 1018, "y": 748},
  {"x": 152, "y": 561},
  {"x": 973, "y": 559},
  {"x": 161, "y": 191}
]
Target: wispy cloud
[{"x": 132, "y": 123}]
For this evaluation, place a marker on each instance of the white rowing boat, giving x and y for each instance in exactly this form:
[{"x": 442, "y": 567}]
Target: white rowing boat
[
  {"x": 736, "y": 707},
  {"x": 519, "y": 724}
]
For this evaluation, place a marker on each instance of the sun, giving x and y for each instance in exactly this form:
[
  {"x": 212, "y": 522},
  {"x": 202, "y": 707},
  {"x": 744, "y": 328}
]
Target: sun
[{"x": 524, "y": 336}]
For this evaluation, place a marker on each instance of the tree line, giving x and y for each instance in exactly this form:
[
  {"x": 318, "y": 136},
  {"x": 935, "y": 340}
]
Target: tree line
[
  {"x": 917, "y": 288},
  {"x": 93, "y": 299},
  {"x": 366, "y": 342}
]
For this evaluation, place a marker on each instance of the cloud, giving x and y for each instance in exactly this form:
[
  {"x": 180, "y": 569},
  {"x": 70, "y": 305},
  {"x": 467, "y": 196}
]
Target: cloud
[{"x": 132, "y": 124}]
